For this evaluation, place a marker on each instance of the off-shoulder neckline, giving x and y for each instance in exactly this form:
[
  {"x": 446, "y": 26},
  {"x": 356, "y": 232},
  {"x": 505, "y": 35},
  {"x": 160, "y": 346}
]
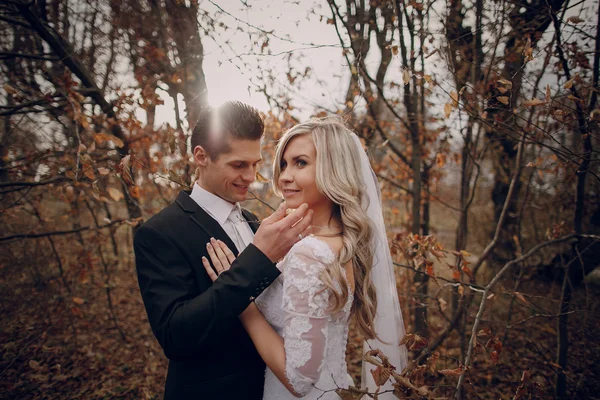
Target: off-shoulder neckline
[{"x": 327, "y": 245}]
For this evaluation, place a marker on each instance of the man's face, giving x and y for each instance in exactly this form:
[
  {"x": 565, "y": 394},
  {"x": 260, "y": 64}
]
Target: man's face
[{"x": 230, "y": 175}]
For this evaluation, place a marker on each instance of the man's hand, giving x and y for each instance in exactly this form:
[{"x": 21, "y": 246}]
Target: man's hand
[{"x": 278, "y": 233}]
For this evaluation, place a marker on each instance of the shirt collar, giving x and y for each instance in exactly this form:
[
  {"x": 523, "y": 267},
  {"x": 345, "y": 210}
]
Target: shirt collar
[{"x": 217, "y": 207}]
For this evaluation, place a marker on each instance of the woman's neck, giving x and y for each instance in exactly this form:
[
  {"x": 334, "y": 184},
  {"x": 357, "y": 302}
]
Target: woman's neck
[{"x": 323, "y": 220}]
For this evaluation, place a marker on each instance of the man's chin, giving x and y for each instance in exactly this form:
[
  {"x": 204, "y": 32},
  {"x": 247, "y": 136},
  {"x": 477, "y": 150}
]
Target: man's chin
[{"x": 237, "y": 198}]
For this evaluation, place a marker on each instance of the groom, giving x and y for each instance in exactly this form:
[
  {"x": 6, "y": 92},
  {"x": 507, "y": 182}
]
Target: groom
[{"x": 195, "y": 320}]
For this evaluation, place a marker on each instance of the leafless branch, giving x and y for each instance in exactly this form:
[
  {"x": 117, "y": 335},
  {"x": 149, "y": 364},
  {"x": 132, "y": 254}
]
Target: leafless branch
[
  {"x": 66, "y": 232},
  {"x": 31, "y": 184}
]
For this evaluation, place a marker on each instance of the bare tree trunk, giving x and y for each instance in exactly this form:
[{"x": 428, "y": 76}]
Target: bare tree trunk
[
  {"x": 526, "y": 29},
  {"x": 425, "y": 222},
  {"x": 562, "y": 336},
  {"x": 586, "y": 144},
  {"x": 184, "y": 22},
  {"x": 410, "y": 103}
]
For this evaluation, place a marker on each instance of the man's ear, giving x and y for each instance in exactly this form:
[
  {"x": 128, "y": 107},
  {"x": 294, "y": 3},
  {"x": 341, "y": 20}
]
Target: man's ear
[{"x": 201, "y": 156}]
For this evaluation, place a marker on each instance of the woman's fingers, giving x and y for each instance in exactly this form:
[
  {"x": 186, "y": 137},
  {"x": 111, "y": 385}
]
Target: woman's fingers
[
  {"x": 220, "y": 255},
  {"x": 209, "y": 270},
  {"x": 214, "y": 258},
  {"x": 228, "y": 253}
]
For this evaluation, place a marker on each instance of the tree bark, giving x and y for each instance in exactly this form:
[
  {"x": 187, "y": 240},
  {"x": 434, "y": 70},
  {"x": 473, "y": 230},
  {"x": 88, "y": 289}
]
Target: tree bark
[
  {"x": 527, "y": 23},
  {"x": 184, "y": 24},
  {"x": 586, "y": 144}
]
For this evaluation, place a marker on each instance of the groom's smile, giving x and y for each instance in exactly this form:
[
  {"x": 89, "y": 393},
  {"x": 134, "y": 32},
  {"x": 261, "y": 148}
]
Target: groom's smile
[{"x": 241, "y": 188}]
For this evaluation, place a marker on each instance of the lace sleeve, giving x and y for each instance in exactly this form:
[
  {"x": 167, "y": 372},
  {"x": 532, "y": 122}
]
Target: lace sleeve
[{"x": 305, "y": 303}]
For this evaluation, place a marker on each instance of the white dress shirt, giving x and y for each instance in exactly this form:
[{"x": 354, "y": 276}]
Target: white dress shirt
[{"x": 226, "y": 214}]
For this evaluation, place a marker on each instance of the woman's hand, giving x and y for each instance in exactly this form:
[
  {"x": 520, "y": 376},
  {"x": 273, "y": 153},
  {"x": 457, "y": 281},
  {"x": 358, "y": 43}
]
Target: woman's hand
[{"x": 220, "y": 256}]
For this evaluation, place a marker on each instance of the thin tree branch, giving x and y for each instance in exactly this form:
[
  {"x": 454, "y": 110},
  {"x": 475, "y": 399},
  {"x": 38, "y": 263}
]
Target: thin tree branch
[
  {"x": 57, "y": 233},
  {"x": 596, "y": 68},
  {"x": 15, "y": 22},
  {"x": 31, "y": 184},
  {"x": 46, "y": 57}
]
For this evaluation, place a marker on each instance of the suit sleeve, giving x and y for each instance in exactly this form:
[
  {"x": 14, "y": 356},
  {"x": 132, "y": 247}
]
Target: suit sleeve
[{"x": 183, "y": 321}]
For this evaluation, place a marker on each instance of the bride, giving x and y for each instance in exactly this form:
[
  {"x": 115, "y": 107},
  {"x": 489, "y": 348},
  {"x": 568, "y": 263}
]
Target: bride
[{"x": 299, "y": 324}]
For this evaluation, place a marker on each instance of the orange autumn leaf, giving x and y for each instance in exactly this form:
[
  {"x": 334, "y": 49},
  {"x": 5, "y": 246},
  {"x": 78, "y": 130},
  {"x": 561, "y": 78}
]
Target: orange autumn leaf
[
  {"x": 135, "y": 192},
  {"x": 447, "y": 109},
  {"x": 495, "y": 357},
  {"x": 467, "y": 271},
  {"x": 533, "y": 102},
  {"x": 115, "y": 194},
  {"x": 406, "y": 76},
  {"x": 352, "y": 393},
  {"x": 432, "y": 361},
  {"x": 575, "y": 20},
  {"x": 380, "y": 375},
  {"x": 505, "y": 82},
  {"x": 454, "y": 97},
  {"x": 452, "y": 372},
  {"x": 456, "y": 275},
  {"x": 521, "y": 298},
  {"x": 78, "y": 300}
]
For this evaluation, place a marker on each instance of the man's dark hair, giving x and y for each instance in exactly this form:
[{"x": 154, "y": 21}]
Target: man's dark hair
[{"x": 233, "y": 119}]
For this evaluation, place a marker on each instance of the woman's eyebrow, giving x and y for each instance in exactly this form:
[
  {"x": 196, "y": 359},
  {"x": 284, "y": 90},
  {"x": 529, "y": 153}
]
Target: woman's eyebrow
[{"x": 299, "y": 156}]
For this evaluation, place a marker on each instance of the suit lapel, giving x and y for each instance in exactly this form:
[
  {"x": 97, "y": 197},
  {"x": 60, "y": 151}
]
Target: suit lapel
[{"x": 201, "y": 218}]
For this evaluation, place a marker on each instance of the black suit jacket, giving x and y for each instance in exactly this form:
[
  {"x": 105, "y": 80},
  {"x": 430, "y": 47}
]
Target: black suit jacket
[{"x": 195, "y": 320}]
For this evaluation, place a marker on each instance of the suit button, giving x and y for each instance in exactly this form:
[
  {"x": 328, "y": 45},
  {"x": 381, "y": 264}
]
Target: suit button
[{"x": 252, "y": 298}]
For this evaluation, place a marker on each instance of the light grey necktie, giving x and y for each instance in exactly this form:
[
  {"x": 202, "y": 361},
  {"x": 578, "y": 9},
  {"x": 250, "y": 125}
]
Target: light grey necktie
[{"x": 235, "y": 218}]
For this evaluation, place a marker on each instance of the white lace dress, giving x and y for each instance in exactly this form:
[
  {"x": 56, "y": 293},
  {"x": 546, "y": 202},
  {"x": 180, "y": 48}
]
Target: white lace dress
[{"x": 296, "y": 306}]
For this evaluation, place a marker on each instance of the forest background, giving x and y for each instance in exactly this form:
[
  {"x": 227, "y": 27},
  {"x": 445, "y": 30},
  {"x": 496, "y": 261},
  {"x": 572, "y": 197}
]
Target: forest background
[{"x": 481, "y": 118}]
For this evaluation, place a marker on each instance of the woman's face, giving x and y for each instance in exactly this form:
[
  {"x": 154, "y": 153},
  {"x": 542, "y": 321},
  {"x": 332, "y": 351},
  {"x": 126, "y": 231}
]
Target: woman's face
[{"x": 297, "y": 180}]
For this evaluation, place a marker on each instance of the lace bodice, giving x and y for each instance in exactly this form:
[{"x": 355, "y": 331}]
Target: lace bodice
[{"x": 296, "y": 305}]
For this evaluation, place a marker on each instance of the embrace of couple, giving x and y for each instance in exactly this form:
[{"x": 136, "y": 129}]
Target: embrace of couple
[{"x": 244, "y": 311}]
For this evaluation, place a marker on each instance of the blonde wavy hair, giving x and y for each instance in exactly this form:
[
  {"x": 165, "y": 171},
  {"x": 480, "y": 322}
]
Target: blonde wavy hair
[{"x": 338, "y": 176}]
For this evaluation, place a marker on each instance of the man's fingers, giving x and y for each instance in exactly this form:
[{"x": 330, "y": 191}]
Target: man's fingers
[
  {"x": 275, "y": 237},
  {"x": 209, "y": 270},
  {"x": 213, "y": 257},
  {"x": 303, "y": 225},
  {"x": 276, "y": 216},
  {"x": 296, "y": 216},
  {"x": 228, "y": 253}
]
